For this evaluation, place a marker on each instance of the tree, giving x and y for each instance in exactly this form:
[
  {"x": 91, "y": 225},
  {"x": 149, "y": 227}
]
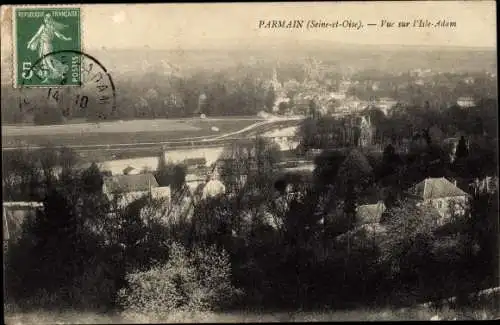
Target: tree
[
  {"x": 390, "y": 162},
  {"x": 389, "y": 154},
  {"x": 427, "y": 136},
  {"x": 282, "y": 107},
  {"x": 188, "y": 281},
  {"x": 163, "y": 172},
  {"x": 462, "y": 152},
  {"x": 92, "y": 179},
  {"x": 178, "y": 177},
  {"x": 406, "y": 247},
  {"x": 20, "y": 177},
  {"x": 327, "y": 166},
  {"x": 270, "y": 99},
  {"x": 350, "y": 203},
  {"x": 308, "y": 133},
  {"x": 249, "y": 166},
  {"x": 354, "y": 171},
  {"x": 67, "y": 159},
  {"x": 69, "y": 235},
  {"x": 462, "y": 165},
  {"x": 313, "y": 109}
]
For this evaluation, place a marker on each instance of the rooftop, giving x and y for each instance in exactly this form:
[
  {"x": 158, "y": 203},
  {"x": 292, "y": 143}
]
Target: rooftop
[
  {"x": 130, "y": 183},
  {"x": 19, "y": 204},
  {"x": 370, "y": 213},
  {"x": 434, "y": 188}
]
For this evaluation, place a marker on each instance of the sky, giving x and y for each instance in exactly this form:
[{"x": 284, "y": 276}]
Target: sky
[{"x": 203, "y": 25}]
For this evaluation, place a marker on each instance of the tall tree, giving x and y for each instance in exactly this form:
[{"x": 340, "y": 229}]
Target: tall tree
[
  {"x": 354, "y": 171},
  {"x": 406, "y": 249},
  {"x": 270, "y": 99},
  {"x": 178, "y": 177},
  {"x": 350, "y": 203},
  {"x": 462, "y": 152},
  {"x": 92, "y": 179},
  {"x": 313, "y": 109},
  {"x": 462, "y": 165},
  {"x": 163, "y": 173}
]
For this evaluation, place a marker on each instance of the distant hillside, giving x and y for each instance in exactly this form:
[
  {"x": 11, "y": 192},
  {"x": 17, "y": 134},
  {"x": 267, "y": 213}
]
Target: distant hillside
[{"x": 359, "y": 56}]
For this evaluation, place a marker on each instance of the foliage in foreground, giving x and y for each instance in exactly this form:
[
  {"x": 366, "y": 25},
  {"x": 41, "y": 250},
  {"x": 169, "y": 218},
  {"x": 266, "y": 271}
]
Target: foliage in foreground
[{"x": 190, "y": 281}]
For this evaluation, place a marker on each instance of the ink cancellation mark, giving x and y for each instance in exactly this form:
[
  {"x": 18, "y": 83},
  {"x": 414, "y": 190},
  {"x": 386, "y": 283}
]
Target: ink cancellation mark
[
  {"x": 38, "y": 32},
  {"x": 93, "y": 97}
]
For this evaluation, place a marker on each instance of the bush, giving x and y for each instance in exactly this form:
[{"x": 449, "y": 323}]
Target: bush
[{"x": 187, "y": 282}]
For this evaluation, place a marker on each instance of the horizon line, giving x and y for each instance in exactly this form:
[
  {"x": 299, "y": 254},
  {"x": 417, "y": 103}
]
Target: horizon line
[{"x": 284, "y": 43}]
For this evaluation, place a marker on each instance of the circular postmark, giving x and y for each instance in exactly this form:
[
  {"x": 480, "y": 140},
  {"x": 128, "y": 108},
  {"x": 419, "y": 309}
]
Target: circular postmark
[{"x": 85, "y": 90}]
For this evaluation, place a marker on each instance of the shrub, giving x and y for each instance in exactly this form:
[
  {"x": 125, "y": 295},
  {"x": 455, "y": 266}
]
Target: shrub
[{"x": 187, "y": 282}]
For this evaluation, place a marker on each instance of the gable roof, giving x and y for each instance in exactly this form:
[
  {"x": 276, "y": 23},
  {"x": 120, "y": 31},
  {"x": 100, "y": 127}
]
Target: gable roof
[
  {"x": 370, "y": 213},
  {"x": 130, "y": 183},
  {"x": 434, "y": 188}
]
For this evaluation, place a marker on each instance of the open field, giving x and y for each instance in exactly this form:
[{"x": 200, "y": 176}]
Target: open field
[
  {"x": 136, "y": 131},
  {"x": 200, "y": 134},
  {"x": 101, "y": 127}
]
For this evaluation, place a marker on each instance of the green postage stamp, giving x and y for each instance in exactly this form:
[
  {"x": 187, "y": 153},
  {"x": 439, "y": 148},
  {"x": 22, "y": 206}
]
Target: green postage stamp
[{"x": 40, "y": 34}]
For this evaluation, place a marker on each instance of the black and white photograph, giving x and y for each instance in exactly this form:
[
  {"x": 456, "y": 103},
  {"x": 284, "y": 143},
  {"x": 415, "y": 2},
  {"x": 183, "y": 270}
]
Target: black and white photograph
[{"x": 250, "y": 162}]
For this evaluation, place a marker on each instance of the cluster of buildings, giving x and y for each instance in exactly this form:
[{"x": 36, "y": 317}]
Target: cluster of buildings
[
  {"x": 439, "y": 196},
  {"x": 297, "y": 101}
]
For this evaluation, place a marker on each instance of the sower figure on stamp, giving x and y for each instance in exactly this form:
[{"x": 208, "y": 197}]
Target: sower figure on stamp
[{"x": 42, "y": 42}]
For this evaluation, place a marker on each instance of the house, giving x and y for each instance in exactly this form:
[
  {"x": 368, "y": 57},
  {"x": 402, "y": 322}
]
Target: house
[
  {"x": 370, "y": 213},
  {"x": 450, "y": 145},
  {"x": 444, "y": 196},
  {"x": 488, "y": 184},
  {"x": 128, "y": 188},
  {"x": 337, "y": 95},
  {"x": 385, "y": 104},
  {"x": 14, "y": 215},
  {"x": 466, "y": 102},
  {"x": 195, "y": 162}
]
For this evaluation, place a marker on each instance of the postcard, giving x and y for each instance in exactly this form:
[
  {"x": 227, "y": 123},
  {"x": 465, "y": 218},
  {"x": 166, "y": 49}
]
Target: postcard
[{"x": 281, "y": 161}]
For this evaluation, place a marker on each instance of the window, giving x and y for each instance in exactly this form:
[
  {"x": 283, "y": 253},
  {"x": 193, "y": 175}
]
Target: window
[{"x": 439, "y": 204}]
